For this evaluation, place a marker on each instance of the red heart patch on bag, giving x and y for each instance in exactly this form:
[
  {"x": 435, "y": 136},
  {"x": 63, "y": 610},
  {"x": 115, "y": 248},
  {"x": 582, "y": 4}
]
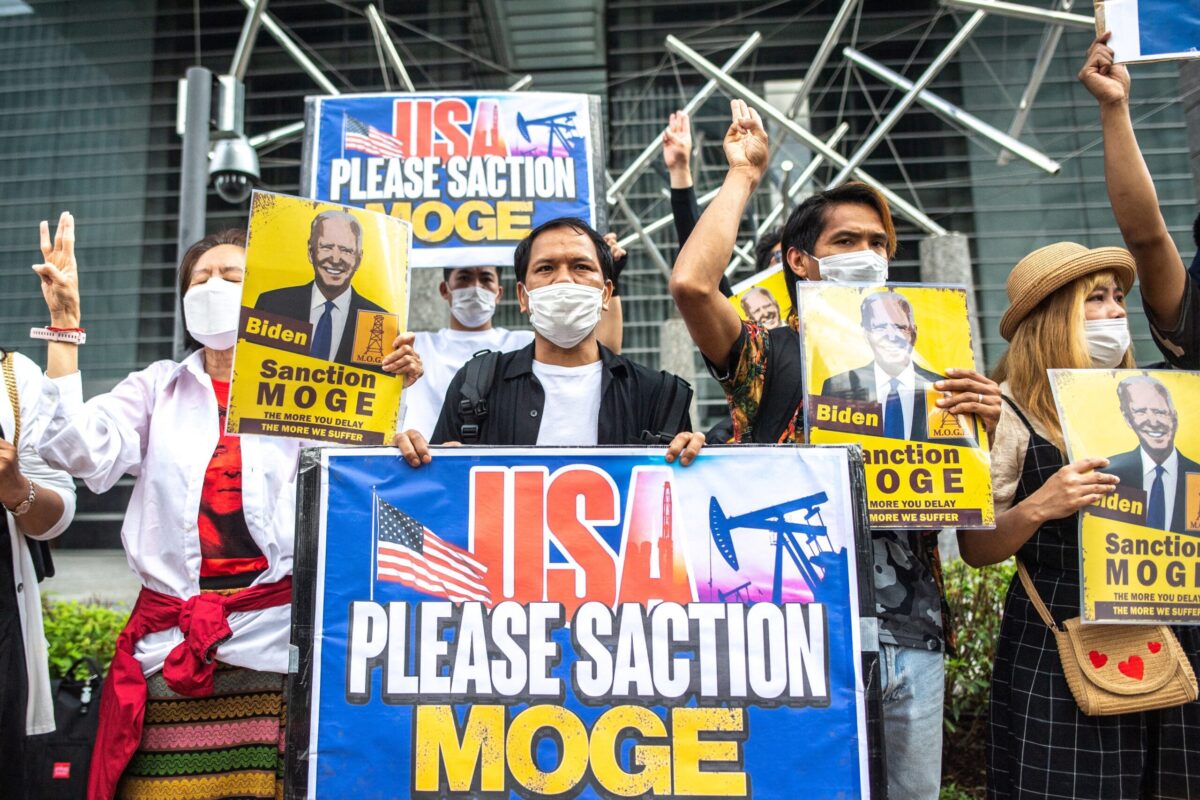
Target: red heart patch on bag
[
  {"x": 1098, "y": 659},
  {"x": 1154, "y": 647},
  {"x": 1133, "y": 668}
]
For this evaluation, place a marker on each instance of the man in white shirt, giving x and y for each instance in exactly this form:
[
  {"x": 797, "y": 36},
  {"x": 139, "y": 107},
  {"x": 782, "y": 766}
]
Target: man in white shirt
[
  {"x": 473, "y": 293},
  {"x": 891, "y": 379},
  {"x": 328, "y": 302},
  {"x": 1155, "y": 466}
]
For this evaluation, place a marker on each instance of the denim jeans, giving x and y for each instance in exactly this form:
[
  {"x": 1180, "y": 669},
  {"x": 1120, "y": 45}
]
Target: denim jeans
[{"x": 913, "y": 685}]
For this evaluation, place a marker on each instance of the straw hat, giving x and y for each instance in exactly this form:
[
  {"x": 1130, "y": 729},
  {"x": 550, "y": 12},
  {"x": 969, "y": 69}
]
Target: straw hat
[{"x": 1046, "y": 269}]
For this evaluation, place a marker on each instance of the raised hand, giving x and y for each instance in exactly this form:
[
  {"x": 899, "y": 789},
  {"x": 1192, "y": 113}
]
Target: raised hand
[
  {"x": 677, "y": 142},
  {"x": 746, "y": 140},
  {"x": 1107, "y": 81},
  {"x": 59, "y": 273}
]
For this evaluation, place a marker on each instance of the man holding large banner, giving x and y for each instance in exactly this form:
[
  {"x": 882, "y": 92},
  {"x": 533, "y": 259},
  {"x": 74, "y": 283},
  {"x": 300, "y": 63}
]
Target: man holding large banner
[{"x": 565, "y": 388}]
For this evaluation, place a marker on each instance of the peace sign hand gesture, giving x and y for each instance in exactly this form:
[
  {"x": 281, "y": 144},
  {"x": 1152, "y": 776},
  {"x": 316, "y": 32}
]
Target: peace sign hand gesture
[
  {"x": 59, "y": 273},
  {"x": 746, "y": 141}
]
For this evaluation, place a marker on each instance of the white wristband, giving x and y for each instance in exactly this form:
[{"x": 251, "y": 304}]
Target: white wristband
[{"x": 70, "y": 337}]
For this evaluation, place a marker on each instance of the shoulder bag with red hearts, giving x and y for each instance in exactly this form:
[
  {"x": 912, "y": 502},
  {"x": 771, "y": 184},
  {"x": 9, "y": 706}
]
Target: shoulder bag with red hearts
[{"x": 1118, "y": 669}]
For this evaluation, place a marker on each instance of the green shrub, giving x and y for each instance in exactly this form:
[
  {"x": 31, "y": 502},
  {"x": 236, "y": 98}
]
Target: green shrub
[
  {"x": 77, "y": 629},
  {"x": 976, "y": 598},
  {"x": 952, "y": 791}
]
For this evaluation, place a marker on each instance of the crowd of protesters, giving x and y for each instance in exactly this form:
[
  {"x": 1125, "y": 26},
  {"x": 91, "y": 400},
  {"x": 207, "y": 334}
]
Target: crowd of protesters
[{"x": 194, "y": 703}]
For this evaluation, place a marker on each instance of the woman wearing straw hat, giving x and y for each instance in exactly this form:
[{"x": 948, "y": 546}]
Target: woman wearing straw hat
[{"x": 1066, "y": 311}]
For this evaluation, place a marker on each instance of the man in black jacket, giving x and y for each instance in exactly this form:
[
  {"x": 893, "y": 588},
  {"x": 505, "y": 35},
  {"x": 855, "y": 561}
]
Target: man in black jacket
[
  {"x": 328, "y": 301},
  {"x": 565, "y": 388}
]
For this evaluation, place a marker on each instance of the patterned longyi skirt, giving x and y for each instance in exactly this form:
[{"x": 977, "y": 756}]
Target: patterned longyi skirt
[{"x": 229, "y": 744}]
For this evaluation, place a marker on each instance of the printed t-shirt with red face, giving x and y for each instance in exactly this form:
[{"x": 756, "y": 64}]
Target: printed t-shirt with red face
[{"x": 229, "y": 556}]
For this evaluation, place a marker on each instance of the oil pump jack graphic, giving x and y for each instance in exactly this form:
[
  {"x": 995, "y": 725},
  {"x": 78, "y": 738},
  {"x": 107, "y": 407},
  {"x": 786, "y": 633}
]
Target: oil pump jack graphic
[
  {"x": 808, "y": 556},
  {"x": 560, "y": 127}
]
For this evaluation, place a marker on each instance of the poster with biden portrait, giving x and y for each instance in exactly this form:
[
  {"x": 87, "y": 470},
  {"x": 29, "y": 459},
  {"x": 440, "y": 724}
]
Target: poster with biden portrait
[{"x": 1139, "y": 544}]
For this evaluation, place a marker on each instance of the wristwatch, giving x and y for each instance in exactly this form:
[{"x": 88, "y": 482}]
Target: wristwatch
[{"x": 25, "y": 504}]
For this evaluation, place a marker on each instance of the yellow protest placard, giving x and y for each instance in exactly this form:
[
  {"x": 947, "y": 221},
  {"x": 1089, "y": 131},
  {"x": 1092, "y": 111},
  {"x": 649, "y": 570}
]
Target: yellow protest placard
[
  {"x": 872, "y": 354},
  {"x": 325, "y": 294},
  {"x": 1139, "y": 546},
  {"x": 763, "y": 298}
]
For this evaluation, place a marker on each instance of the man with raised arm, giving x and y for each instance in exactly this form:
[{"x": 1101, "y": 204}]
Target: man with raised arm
[
  {"x": 1169, "y": 296},
  {"x": 845, "y": 233}
]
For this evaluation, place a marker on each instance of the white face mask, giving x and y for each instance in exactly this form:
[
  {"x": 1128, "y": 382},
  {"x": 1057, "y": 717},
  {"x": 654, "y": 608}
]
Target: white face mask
[
  {"x": 565, "y": 313},
  {"x": 865, "y": 266},
  {"x": 1107, "y": 341},
  {"x": 472, "y": 306},
  {"x": 211, "y": 310}
]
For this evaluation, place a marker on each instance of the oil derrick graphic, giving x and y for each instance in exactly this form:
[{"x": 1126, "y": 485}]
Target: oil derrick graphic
[
  {"x": 653, "y": 567},
  {"x": 666, "y": 545},
  {"x": 811, "y": 555},
  {"x": 374, "y": 351}
]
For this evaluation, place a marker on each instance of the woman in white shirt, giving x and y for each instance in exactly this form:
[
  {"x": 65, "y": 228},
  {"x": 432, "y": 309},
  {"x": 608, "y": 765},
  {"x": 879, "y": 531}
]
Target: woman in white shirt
[
  {"x": 209, "y": 532},
  {"x": 39, "y": 503}
]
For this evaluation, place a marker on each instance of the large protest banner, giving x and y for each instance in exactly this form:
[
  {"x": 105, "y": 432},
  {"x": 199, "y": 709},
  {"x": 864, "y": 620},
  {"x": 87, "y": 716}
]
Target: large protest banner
[
  {"x": 473, "y": 173},
  {"x": 872, "y": 354},
  {"x": 1150, "y": 30},
  {"x": 1139, "y": 547},
  {"x": 583, "y": 622},
  {"x": 324, "y": 296},
  {"x": 763, "y": 298}
]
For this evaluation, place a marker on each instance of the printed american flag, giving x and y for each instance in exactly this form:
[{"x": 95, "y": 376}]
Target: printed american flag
[
  {"x": 358, "y": 135},
  {"x": 409, "y": 553}
]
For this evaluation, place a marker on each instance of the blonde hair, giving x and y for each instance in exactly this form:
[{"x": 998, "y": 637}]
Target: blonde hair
[{"x": 1051, "y": 337}]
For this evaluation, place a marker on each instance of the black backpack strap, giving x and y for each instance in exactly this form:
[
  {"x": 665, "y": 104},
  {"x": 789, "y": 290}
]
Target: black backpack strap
[
  {"x": 783, "y": 389},
  {"x": 472, "y": 402},
  {"x": 671, "y": 414}
]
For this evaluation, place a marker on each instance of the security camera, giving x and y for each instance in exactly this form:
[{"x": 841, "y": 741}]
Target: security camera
[{"x": 233, "y": 167}]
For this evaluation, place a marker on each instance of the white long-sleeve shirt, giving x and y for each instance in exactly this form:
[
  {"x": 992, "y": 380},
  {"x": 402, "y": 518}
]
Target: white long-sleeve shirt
[
  {"x": 160, "y": 425},
  {"x": 39, "y": 710}
]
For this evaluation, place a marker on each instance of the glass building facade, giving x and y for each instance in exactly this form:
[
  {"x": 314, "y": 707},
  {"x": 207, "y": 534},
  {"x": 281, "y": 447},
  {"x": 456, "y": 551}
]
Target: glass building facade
[{"x": 88, "y": 124}]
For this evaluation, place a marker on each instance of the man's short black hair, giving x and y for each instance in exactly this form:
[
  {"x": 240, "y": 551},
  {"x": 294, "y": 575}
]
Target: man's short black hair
[
  {"x": 525, "y": 246},
  {"x": 448, "y": 271},
  {"x": 807, "y": 221},
  {"x": 1196, "y": 230},
  {"x": 764, "y": 246}
]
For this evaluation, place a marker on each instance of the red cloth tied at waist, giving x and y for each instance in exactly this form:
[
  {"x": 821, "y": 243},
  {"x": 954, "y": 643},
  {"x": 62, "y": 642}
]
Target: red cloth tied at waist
[{"x": 188, "y": 669}]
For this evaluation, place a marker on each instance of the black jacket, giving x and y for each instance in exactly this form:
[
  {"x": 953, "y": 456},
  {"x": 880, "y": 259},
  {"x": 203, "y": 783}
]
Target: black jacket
[
  {"x": 293, "y": 302},
  {"x": 633, "y": 399}
]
